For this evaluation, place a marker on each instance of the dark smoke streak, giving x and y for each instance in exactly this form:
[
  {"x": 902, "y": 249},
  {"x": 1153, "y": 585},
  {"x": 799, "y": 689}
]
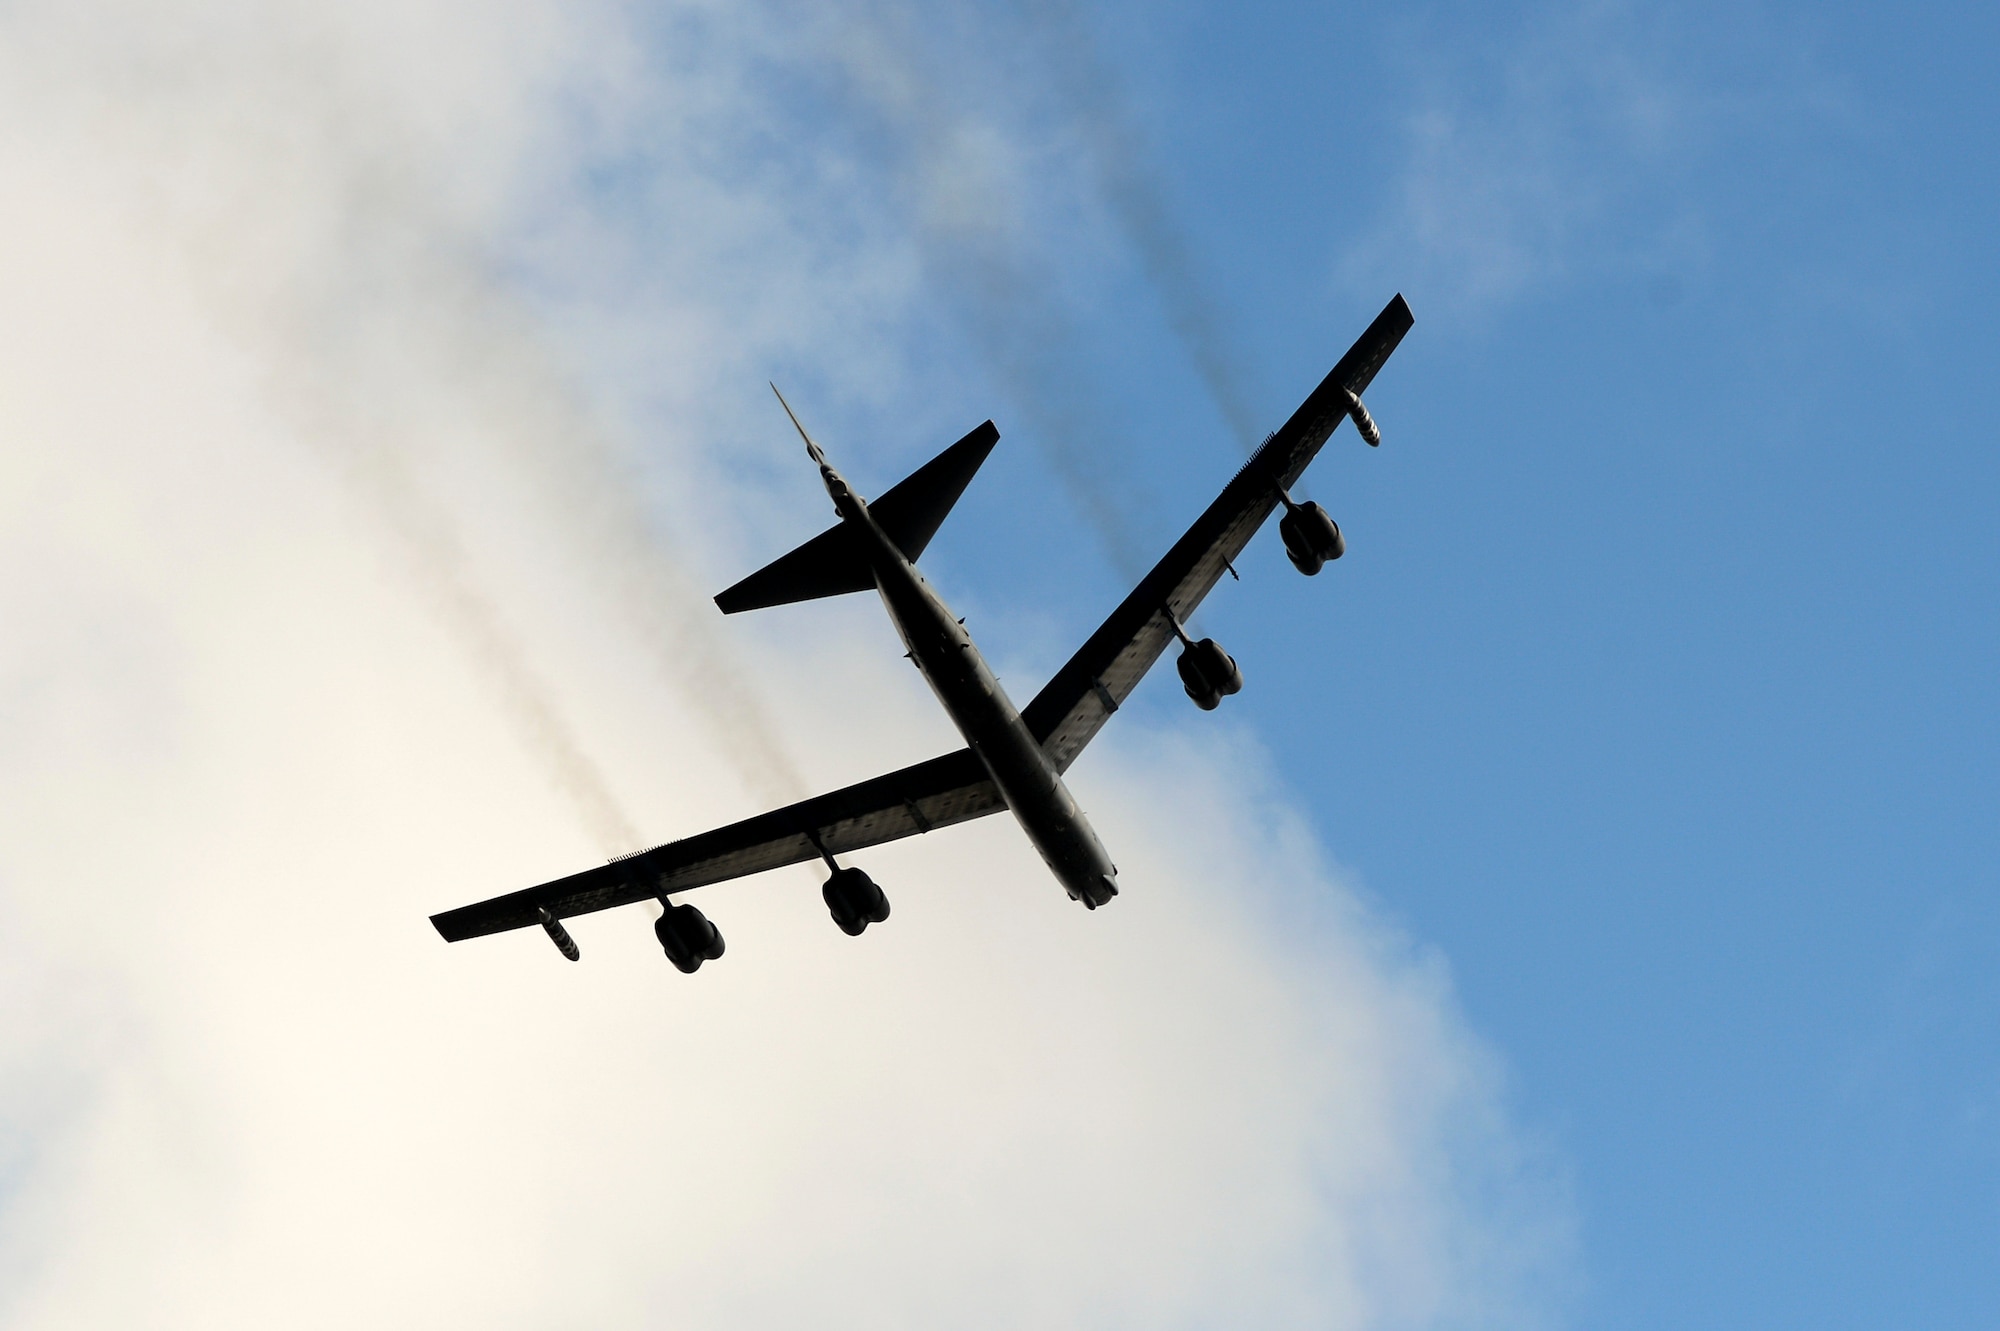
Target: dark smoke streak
[
  {"x": 980, "y": 239},
  {"x": 1123, "y": 162},
  {"x": 587, "y": 483},
  {"x": 370, "y": 457},
  {"x": 973, "y": 244},
  {"x": 434, "y": 554},
  {"x": 1028, "y": 341}
]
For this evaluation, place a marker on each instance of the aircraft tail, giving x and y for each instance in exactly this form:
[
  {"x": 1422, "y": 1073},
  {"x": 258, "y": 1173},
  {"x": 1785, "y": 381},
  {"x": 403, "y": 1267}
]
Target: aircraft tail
[{"x": 833, "y": 563}]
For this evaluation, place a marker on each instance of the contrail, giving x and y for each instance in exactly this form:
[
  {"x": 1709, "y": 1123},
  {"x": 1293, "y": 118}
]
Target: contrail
[
  {"x": 1025, "y": 336},
  {"x": 676, "y": 621},
  {"x": 435, "y": 556},
  {"x": 384, "y": 319},
  {"x": 506, "y": 389},
  {"x": 536, "y": 417},
  {"x": 969, "y": 233},
  {"x": 975, "y": 238},
  {"x": 1123, "y": 162}
]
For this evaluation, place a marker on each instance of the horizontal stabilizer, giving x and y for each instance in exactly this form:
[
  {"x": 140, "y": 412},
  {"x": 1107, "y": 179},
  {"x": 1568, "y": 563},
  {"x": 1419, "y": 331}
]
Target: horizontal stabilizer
[
  {"x": 833, "y": 562},
  {"x": 830, "y": 564}
]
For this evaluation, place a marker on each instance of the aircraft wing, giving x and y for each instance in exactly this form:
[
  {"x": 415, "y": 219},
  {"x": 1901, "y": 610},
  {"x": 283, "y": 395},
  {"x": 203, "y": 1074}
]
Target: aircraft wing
[
  {"x": 1068, "y": 713},
  {"x": 938, "y": 793}
]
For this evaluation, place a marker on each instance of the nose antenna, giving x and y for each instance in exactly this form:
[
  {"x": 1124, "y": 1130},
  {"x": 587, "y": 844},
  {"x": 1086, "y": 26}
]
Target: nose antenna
[{"x": 812, "y": 449}]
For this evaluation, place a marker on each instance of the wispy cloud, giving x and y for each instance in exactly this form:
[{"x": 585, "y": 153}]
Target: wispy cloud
[
  {"x": 252, "y": 243},
  {"x": 1533, "y": 154}
]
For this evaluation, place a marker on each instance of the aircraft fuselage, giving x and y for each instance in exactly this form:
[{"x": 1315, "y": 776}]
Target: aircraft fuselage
[{"x": 971, "y": 695}]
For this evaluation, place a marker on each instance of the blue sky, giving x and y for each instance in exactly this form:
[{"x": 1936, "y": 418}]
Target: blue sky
[
  {"x": 1657, "y": 689},
  {"x": 1661, "y": 693},
  {"x": 1585, "y": 916}
]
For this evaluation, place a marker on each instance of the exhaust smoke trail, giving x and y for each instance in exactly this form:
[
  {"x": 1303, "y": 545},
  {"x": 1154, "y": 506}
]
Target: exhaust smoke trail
[
  {"x": 337, "y": 306},
  {"x": 1123, "y": 163},
  {"x": 379, "y": 304},
  {"x": 670, "y": 617},
  {"x": 473, "y": 359},
  {"x": 676, "y": 622},
  {"x": 432, "y": 551},
  {"x": 973, "y": 199},
  {"x": 1026, "y": 344},
  {"x": 472, "y": 620},
  {"x": 525, "y": 408},
  {"x": 972, "y": 237}
]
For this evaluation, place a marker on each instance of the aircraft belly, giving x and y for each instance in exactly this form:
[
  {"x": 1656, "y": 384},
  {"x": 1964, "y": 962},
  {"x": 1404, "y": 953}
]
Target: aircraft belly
[
  {"x": 1034, "y": 792},
  {"x": 992, "y": 726}
]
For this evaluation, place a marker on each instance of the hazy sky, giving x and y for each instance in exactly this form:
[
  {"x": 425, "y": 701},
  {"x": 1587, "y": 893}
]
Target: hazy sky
[{"x": 1586, "y": 916}]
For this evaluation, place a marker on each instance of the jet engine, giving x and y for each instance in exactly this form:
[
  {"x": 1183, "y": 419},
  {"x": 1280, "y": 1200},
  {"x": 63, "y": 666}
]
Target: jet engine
[
  {"x": 1311, "y": 537},
  {"x": 1208, "y": 673},
  {"x": 854, "y": 901},
  {"x": 688, "y": 937}
]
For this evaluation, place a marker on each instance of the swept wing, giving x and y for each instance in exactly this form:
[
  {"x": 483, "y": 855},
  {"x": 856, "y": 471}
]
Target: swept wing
[
  {"x": 1075, "y": 705},
  {"x": 938, "y": 793}
]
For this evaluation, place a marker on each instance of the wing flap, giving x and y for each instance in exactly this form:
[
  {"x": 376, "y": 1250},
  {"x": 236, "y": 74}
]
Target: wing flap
[
  {"x": 1074, "y": 706},
  {"x": 952, "y": 789}
]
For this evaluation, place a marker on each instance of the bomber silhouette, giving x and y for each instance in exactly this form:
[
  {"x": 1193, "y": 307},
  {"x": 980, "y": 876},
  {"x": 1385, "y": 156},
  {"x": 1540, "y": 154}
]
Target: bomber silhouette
[{"x": 1014, "y": 759}]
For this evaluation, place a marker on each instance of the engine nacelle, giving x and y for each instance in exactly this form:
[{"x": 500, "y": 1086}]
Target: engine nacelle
[
  {"x": 1208, "y": 673},
  {"x": 1311, "y": 537},
  {"x": 1363, "y": 421},
  {"x": 688, "y": 938},
  {"x": 854, "y": 901}
]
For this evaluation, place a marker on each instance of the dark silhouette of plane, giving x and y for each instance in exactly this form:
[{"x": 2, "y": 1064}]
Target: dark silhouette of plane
[{"x": 1013, "y": 759}]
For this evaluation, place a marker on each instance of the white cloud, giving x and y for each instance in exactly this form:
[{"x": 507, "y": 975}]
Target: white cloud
[{"x": 310, "y": 542}]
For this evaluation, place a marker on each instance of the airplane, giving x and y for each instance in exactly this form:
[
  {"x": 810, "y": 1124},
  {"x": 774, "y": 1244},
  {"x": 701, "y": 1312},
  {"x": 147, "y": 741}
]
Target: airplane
[{"x": 1014, "y": 759}]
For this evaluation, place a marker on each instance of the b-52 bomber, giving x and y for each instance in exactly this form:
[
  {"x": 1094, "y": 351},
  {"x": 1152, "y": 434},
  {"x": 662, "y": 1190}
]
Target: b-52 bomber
[{"x": 1013, "y": 759}]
